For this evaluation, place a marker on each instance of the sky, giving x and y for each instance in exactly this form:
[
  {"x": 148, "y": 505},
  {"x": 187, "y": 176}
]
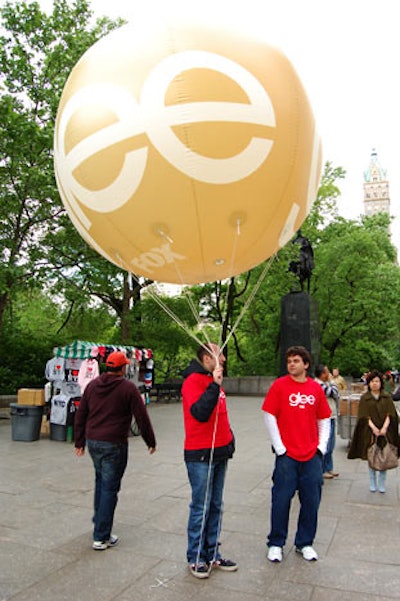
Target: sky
[{"x": 346, "y": 52}]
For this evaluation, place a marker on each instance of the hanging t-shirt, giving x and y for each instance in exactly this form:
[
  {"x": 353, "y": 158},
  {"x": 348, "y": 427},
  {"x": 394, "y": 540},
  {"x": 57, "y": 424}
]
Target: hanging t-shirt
[
  {"x": 59, "y": 409},
  {"x": 72, "y": 366},
  {"x": 55, "y": 369},
  {"x": 71, "y": 389},
  {"x": 88, "y": 371}
]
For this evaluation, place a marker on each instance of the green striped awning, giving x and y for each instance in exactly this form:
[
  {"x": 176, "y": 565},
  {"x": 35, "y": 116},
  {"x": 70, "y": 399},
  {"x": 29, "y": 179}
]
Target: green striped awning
[{"x": 81, "y": 349}]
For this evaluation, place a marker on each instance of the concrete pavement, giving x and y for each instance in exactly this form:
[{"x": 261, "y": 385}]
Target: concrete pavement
[{"x": 45, "y": 525}]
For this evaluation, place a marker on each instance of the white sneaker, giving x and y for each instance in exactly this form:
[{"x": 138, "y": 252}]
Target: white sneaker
[
  {"x": 113, "y": 541},
  {"x": 308, "y": 553},
  {"x": 102, "y": 545},
  {"x": 275, "y": 554}
]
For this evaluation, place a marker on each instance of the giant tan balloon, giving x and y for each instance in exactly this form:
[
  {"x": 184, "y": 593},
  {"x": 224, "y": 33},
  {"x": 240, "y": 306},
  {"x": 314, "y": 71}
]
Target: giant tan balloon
[{"x": 185, "y": 155}]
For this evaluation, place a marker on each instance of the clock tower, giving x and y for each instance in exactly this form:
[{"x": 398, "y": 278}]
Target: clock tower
[{"x": 376, "y": 188}]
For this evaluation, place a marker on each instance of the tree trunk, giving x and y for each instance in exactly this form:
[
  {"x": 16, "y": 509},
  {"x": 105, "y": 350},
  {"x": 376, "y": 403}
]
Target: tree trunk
[
  {"x": 3, "y": 305},
  {"x": 131, "y": 297},
  {"x": 126, "y": 328}
]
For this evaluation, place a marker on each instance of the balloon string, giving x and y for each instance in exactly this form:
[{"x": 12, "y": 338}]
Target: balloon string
[
  {"x": 177, "y": 320},
  {"x": 189, "y": 300},
  {"x": 233, "y": 257},
  {"x": 207, "y": 492},
  {"x": 196, "y": 315},
  {"x": 187, "y": 296},
  {"x": 171, "y": 314},
  {"x": 250, "y": 298}
]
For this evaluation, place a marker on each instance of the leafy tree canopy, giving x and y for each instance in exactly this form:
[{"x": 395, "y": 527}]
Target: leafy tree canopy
[{"x": 54, "y": 288}]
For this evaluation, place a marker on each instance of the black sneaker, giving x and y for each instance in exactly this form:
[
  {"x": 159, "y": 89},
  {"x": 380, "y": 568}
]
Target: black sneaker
[
  {"x": 199, "y": 570},
  {"x": 227, "y": 565}
]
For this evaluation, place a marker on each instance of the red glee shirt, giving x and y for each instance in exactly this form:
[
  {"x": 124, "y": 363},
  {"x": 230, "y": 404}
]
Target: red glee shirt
[{"x": 297, "y": 406}]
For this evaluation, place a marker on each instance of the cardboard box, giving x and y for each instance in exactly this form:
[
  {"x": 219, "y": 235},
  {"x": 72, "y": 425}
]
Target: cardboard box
[
  {"x": 345, "y": 404},
  {"x": 354, "y": 407},
  {"x": 45, "y": 427},
  {"x": 31, "y": 396}
]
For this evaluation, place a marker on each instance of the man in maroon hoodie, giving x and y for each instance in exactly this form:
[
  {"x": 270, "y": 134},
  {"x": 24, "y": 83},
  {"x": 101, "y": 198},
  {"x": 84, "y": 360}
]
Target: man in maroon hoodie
[
  {"x": 209, "y": 443},
  {"x": 103, "y": 422}
]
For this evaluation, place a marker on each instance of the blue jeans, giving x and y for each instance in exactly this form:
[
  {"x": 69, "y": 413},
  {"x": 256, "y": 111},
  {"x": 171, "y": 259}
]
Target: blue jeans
[
  {"x": 327, "y": 464},
  {"x": 109, "y": 460},
  {"x": 291, "y": 475},
  {"x": 205, "y": 514}
]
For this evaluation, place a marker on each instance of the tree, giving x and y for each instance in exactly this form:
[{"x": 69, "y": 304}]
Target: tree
[
  {"x": 357, "y": 285},
  {"x": 40, "y": 248},
  {"x": 78, "y": 273},
  {"x": 324, "y": 209},
  {"x": 37, "y": 53}
]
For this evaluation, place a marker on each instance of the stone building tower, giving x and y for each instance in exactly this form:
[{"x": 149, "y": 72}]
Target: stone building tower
[{"x": 376, "y": 188}]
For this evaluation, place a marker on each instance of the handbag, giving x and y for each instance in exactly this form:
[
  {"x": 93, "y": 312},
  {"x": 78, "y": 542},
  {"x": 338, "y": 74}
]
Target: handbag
[{"x": 384, "y": 457}]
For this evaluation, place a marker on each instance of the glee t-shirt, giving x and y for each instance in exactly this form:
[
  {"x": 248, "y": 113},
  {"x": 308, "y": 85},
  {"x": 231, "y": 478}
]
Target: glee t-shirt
[{"x": 297, "y": 406}]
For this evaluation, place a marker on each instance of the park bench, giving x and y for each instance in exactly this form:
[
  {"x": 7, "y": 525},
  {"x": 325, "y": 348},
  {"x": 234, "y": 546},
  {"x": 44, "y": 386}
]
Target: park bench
[{"x": 166, "y": 392}]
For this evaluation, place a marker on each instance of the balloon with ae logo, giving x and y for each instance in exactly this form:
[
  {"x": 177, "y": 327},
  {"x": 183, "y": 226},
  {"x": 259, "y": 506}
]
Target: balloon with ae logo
[{"x": 185, "y": 154}]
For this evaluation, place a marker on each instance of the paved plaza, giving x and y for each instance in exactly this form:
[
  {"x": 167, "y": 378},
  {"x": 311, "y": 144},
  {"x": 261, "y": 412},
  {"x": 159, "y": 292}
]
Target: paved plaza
[{"x": 45, "y": 525}]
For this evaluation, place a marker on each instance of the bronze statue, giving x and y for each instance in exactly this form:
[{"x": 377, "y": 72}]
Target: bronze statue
[{"x": 304, "y": 266}]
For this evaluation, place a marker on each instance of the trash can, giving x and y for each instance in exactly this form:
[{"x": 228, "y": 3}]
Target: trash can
[
  {"x": 26, "y": 421},
  {"x": 58, "y": 432}
]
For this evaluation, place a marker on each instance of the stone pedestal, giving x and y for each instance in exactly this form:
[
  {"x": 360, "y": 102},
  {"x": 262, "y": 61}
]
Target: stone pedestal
[{"x": 299, "y": 326}]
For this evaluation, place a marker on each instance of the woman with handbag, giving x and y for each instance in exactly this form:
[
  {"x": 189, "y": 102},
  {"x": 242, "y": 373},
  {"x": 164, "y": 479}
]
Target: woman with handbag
[{"x": 376, "y": 432}]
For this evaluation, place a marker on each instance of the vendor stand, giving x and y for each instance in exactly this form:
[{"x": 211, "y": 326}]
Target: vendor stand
[{"x": 73, "y": 366}]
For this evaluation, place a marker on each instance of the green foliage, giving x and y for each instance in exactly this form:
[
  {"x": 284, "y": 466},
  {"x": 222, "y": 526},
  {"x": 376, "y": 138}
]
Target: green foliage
[
  {"x": 324, "y": 209},
  {"x": 54, "y": 288},
  {"x": 33, "y": 326},
  {"x": 27, "y": 343},
  {"x": 357, "y": 285},
  {"x": 37, "y": 53}
]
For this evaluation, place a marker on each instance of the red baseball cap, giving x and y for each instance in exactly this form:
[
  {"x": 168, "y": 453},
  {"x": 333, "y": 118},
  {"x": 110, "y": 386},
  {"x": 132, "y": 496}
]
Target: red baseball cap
[{"x": 117, "y": 359}]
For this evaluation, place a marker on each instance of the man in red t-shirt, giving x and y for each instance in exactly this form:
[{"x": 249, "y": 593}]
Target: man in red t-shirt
[{"x": 297, "y": 417}]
